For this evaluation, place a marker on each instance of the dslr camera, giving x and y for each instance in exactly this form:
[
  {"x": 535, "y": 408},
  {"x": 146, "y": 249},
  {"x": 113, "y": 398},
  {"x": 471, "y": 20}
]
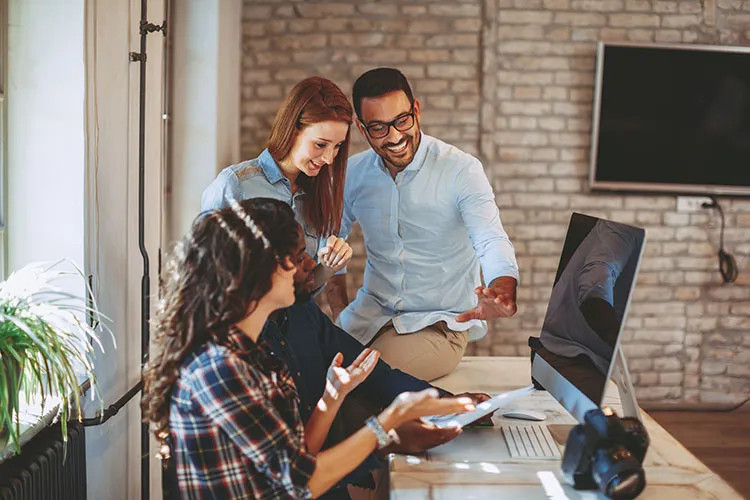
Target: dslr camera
[{"x": 606, "y": 452}]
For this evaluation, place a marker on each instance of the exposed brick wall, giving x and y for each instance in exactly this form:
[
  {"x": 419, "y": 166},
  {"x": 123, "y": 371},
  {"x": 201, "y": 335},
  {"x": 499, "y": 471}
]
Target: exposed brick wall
[{"x": 512, "y": 82}]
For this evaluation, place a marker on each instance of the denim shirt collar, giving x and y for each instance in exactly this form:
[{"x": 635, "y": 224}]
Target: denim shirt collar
[{"x": 270, "y": 169}]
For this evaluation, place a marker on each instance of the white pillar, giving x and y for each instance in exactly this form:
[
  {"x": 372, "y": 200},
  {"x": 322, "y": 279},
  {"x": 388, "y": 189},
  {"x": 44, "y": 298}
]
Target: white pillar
[{"x": 205, "y": 113}]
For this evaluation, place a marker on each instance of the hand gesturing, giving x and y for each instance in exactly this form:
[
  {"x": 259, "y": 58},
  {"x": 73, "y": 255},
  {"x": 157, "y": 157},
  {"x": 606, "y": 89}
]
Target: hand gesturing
[
  {"x": 499, "y": 301},
  {"x": 341, "y": 381}
]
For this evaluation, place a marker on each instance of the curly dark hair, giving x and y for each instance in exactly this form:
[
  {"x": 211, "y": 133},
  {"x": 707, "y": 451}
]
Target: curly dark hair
[{"x": 218, "y": 270}]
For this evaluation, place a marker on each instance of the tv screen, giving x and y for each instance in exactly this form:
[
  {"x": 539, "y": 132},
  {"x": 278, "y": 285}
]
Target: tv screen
[{"x": 672, "y": 118}]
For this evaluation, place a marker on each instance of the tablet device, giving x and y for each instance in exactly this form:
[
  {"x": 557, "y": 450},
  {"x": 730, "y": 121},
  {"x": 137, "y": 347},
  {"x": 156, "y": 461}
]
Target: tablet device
[{"x": 482, "y": 410}]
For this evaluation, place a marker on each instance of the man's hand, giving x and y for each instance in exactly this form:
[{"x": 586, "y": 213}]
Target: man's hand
[
  {"x": 496, "y": 301},
  {"x": 479, "y": 397},
  {"x": 417, "y": 436}
]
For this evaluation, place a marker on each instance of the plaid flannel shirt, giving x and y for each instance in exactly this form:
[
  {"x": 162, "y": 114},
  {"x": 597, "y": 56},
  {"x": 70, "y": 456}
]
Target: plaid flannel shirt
[{"x": 235, "y": 426}]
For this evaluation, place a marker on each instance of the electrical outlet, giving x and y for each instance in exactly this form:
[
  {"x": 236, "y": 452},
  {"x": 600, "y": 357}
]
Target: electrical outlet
[{"x": 691, "y": 203}]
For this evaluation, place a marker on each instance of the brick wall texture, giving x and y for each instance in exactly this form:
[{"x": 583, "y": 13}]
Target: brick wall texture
[{"x": 511, "y": 81}]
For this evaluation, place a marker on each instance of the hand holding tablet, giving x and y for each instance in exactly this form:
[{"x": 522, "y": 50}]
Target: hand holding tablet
[{"x": 482, "y": 409}]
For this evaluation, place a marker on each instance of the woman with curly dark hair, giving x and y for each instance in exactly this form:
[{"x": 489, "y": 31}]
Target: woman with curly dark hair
[{"x": 216, "y": 392}]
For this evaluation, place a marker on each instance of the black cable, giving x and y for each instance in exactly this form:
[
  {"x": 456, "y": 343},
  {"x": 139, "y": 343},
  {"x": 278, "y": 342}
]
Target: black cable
[{"x": 727, "y": 263}]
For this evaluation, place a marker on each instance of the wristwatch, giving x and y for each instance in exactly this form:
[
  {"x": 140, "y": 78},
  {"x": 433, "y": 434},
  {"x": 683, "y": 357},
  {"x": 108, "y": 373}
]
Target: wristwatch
[{"x": 384, "y": 437}]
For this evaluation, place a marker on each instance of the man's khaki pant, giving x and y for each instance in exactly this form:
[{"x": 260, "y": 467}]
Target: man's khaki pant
[{"x": 427, "y": 354}]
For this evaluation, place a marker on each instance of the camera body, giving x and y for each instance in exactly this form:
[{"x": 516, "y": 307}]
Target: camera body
[{"x": 606, "y": 452}]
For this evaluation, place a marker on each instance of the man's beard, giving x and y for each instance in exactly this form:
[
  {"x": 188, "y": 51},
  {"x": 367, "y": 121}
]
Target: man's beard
[{"x": 400, "y": 161}]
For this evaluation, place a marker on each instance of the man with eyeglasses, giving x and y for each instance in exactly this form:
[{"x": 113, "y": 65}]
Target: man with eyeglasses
[{"x": 429, "y": 220}]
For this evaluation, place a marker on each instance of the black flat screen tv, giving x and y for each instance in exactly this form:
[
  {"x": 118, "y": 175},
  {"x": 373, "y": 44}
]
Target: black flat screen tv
[{"x": 671, "y": 118}]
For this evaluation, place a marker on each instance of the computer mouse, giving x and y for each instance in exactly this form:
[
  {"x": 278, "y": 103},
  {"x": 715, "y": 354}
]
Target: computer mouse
[{"x": 524, "y": 414}]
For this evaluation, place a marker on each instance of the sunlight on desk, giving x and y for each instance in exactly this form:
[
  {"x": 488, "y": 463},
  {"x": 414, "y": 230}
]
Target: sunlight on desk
[{"x": 478, "y": 465}]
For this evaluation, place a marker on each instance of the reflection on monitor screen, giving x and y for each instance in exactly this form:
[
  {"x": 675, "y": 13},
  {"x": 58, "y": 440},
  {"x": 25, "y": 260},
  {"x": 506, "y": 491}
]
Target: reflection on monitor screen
[{"x": 589, "y": 300}]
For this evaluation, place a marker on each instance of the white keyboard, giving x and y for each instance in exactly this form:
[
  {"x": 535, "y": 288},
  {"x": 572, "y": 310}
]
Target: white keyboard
[{"x": 530, "y": 441}]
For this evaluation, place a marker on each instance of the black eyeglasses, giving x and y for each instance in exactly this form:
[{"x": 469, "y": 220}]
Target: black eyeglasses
[{"x": 402, "y": 124}]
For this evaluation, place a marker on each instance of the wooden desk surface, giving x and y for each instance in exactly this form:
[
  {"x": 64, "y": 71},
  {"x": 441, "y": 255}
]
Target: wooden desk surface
[{"x": 461, "y": 470}]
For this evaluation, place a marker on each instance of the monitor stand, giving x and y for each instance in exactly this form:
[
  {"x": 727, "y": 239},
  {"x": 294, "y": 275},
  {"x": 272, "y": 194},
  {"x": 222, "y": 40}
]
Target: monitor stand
[
  {"x": 621, "y": 376},
  {"x": 573, "y": 400}
]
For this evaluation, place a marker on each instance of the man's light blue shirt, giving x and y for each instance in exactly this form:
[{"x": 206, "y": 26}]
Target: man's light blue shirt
[
  {"x": 426, "y": 233},
  {"x": 260, "y": 177}
]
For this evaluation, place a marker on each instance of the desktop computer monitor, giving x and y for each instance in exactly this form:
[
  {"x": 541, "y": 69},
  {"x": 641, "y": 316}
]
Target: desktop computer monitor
[
  {"x": 580, "y": 337},
  {"x": 586, "y": 312}
]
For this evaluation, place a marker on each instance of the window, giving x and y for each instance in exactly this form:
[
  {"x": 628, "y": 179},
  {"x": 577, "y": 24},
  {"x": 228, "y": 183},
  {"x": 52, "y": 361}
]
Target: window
[{"x": 3, "y": 149}]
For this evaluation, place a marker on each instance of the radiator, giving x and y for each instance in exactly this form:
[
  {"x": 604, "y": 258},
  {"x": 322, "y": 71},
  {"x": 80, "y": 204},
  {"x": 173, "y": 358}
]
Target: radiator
[{"x": 39, "y": 473}]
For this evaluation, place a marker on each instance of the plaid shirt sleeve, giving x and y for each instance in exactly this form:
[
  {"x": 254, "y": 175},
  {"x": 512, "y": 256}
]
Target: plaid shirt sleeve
[{"x": 235, "y": 399}]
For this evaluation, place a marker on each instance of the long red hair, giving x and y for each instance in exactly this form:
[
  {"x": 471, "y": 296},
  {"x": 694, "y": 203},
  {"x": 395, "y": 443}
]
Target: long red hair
[{"x": 315, "y": 100}]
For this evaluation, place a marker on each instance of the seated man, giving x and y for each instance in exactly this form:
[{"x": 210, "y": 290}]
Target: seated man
[
  {"x": 429, "y": 219},
  {"x": 306, "y": 339}
]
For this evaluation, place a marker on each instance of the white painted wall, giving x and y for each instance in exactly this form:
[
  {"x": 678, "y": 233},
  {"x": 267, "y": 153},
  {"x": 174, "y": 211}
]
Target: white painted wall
[{"x": 205, "y": 103}]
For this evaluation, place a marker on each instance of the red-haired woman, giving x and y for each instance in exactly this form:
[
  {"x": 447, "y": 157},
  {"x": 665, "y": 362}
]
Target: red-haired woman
[{"x": 304, "y": 166}]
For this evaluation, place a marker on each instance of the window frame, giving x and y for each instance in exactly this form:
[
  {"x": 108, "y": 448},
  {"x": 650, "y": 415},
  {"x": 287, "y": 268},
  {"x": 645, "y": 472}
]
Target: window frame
[{"x": 3, "y": 138}]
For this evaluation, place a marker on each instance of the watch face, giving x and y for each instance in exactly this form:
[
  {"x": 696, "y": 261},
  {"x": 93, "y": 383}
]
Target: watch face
[{"x": 380, "y": 433}]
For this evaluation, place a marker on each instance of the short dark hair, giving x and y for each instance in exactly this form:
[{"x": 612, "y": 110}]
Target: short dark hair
[{"x": 377, "y": 82}]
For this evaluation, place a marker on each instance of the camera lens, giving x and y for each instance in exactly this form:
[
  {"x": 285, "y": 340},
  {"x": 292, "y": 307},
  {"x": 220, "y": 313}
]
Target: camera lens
[
  {"x": 625, "y": 486},
  {"x": 617, "y": 473}
]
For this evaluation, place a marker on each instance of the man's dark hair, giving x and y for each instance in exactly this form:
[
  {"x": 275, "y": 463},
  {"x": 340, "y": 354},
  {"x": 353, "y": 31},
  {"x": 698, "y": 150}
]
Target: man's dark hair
[{"x": 377, "y": 82}]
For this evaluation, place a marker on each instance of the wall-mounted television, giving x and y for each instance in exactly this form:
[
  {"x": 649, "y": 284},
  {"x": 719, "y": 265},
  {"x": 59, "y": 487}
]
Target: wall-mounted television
[{"x": 671, "y": 118}]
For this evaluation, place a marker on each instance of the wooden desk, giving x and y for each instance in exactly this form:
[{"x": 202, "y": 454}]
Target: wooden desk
[{"x": 469, "y": 467}]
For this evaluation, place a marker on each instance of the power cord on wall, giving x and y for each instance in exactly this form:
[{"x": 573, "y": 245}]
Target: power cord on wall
[{"x": 727, "y": 264}]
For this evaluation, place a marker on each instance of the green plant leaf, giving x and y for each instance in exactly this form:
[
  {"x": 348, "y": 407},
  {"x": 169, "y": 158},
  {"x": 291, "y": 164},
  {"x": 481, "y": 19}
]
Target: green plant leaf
[{"x": 42, "y": 330}]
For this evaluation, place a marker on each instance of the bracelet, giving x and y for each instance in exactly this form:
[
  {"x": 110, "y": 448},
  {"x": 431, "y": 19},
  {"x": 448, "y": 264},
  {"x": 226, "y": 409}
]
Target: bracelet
[{"x": 383, "y": 437}]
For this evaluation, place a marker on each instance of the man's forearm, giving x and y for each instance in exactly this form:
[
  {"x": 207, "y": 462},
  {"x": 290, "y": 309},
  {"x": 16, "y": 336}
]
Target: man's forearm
[{"x": 336, "y": 294}]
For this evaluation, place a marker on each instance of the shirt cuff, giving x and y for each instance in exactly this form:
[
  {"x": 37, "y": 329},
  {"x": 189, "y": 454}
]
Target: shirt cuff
[
  {"x": 302, "y": 468},
  {"x": 509, "y": 271}
]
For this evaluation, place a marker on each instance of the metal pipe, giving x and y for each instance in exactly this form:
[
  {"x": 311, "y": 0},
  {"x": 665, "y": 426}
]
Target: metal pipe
[
  {"x": 145, "y": 279},
  {"x": 114, "y": 408}
]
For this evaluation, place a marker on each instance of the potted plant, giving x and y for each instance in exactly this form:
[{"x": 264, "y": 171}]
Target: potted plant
[{"x": 46, "y": 344}]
